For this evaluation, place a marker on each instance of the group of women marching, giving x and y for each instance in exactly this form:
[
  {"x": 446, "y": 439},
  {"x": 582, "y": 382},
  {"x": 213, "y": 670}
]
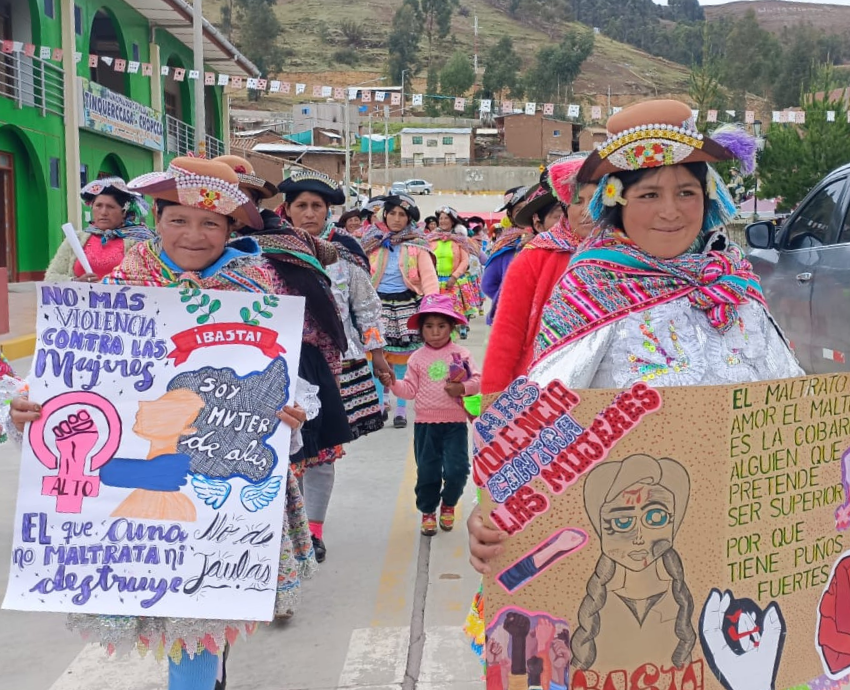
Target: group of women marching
[{"x": 642, "y": 216}]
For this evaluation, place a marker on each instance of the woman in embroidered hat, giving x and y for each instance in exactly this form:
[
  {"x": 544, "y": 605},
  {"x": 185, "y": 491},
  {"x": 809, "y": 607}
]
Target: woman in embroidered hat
[
  {"x": 437, "y": 377},
  {"x": 453, "y": 250},
  {"x": 308, "y": 198},
  {"x": 117, "y": 223},
  {"x": 656, "y": 294},
  {"x": 196, "y": 203},
  {"x": 505, "y": 247},
  {"x": 403, "y": 271},
  {"x": 534, "y": 274}
]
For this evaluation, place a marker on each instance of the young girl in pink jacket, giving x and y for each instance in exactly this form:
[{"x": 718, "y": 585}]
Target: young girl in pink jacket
[{"x": 438, "y": 376}]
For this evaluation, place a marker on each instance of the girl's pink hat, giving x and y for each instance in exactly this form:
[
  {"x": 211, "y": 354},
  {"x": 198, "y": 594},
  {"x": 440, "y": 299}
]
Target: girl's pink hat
[{"x": 435, "y": 304}]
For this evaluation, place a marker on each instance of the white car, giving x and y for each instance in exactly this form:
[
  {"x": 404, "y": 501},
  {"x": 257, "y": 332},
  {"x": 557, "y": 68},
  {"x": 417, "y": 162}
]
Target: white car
[{"x": 419, "y": 187}]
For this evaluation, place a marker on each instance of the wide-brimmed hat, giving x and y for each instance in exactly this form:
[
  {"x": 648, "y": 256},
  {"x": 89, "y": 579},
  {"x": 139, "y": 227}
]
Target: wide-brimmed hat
[
  {"x": 450, "y": 212},
  {"x": 659, "y": 133},
  {"x": 512, "y": 197},
  {"x": 313, "y": 181},
  {"x": 200, "y": 183},
  {"x": 538, "y": 198},
  {"x": 435, "y": 304},
  {"x": 248, "y": 179},
  {"x": 345, "y": 217},
  {"x": 560, "y": 177},
  {"x": 405, "y": 202},
  {"x": 108, "y": 185}
]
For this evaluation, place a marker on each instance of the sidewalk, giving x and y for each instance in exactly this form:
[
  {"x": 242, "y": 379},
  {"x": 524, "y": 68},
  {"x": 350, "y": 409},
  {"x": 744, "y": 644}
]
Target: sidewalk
[{"x": 20, "y": 340}]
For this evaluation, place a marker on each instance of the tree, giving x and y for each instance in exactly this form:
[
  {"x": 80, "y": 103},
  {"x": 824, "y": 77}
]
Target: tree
[
  {"x": 403, "y": 44},
  {"x": 432, "y": 108},
  {"x": 259, "y": 35},
  {"x": 436, "y": 19},
  {"x": 796, "y": 157},
  {"x": 704, "y": 87},
  {"x": 456, "y": 78},
  {"x": 502, "y": 69},
  {"x": 557, "y": 67}
]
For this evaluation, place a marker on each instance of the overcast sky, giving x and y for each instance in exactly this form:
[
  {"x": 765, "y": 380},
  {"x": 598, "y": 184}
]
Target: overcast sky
[{"x": 723, "y": 2}]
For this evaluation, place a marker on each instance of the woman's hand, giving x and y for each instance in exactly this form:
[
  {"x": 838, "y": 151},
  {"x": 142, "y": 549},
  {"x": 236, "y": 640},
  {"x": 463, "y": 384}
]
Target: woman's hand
[
  {"x": 451, "y": 282},
  {"x": 87, "y": 278},
  {"x": 385, "y": 379},
  {"x": 24, "y": 411},
  {"x": 484, "y": 542},
  {"x": 380, "y": 366},
  {"x": 454, "y": 389},
  {"x": 293, "y": 416}
]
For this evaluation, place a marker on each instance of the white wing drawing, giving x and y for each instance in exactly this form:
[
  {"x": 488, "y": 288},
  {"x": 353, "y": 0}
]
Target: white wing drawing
[
  {"x": 255, "y": 497},
  {"x": 213, "y": 492}
]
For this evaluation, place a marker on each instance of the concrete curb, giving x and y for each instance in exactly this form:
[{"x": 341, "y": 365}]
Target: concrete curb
[{"x": 18, "y": 348}]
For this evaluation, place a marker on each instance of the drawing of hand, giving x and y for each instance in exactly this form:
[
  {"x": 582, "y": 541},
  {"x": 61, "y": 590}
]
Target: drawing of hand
[
  {"x": 545, "y": 633},
  {"x": 75, "y": 438},
  {"x": 517, "y": 625},
  {"x": 560, "y": 656},
  {"x": 558, "y": 546},
  {"x": 752, "y": 670}
]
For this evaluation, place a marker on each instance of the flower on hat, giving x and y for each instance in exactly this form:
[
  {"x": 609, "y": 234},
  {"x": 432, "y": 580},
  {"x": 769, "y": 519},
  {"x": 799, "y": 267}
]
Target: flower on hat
[
  {"x": 612, "y": 193},
  {"x": 209, "y": 198}
]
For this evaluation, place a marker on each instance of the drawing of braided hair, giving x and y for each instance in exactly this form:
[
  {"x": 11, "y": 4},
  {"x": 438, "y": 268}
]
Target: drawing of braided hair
[{"x": 603, "y": 484}]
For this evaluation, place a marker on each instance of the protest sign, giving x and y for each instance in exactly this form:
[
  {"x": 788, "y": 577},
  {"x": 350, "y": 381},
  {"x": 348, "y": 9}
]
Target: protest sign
[
  {"x": 675, "y": 538},
  {"x": 155, "y": 481}
]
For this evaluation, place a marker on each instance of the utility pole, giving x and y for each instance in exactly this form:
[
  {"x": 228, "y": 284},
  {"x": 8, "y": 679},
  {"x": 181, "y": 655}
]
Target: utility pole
[
  {"x": 346, "y": 119},
  {"x": 402, "y": 94},
  {"x": 198, "y": 48},
  {"x": 475, "y": 59},
  {"x": 369, "y": 178},
  {"x": 387, "y": 145}
]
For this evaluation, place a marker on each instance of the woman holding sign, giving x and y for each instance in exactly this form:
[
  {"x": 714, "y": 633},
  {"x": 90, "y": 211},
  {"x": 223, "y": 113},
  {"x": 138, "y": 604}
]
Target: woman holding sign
[
  {"x": 117, "y": 223},
  {"x": 656, "y": 295},
  {"x": 197, "y": 202}
]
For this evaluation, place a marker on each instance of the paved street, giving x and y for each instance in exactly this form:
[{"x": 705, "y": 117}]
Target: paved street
[{"x": 386, "y": 609}]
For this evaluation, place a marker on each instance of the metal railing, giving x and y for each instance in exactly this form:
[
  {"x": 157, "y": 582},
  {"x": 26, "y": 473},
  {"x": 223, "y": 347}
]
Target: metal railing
[
  {"x": 424, "y": 162},
  {"x": 180, "y": 139},
  {"x": 33, "y": 83}
]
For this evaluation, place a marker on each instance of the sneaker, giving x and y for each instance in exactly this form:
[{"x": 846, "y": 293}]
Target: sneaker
[
  {"x": 319, "y": 549},
  {"x": 447, "y": 518},
  {"x": 464, "y": 332},
  {"x": 400, "y": 421},
  {"x": 385, "y": 415},
  {"x": 429, "y": 524}
]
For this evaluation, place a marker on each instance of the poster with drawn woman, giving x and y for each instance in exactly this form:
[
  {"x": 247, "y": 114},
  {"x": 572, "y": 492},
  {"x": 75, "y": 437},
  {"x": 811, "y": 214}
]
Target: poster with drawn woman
[
  {"x": 675, "y": 538},
  {"x": 155, "y": 480}
]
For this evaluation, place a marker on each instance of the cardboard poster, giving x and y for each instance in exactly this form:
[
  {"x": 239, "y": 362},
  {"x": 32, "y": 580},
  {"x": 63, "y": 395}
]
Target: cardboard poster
[
  {"x": 670, "y": 538},
  {"x": 155, "y": 481}
]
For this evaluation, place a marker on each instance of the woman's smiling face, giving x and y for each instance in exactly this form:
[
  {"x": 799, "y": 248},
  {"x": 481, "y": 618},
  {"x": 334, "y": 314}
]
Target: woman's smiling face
[
  {"x": 637, "y": 526},
  {"x": 664, "y": 211}
]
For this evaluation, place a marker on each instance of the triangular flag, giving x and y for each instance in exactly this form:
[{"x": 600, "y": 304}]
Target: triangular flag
[
  {"x": 776, "y": 117},
  {"x": 327, "y": 91},
  {"x": 29, "y": 50},
  {"x": 730, "y": 113},
  {"x": 615, "y": 109},
  {"x": 830, "y": 116},
  {"x": 108, "y": 60},
  {"x": 44, "y": 53},
  {"x": 460, "y": 104},
  {"x": 317, "y": 91},
  {"x": 366, "y": 97},
  {"x": 783, "y": 116},
  {"x": 262, "y": 84},
  {"x": 78, "y": 56},
  {"x": 164, "y": 70},
  {"x": 749, "y": 117},
  {"x": 223, "y": 79},
  {"x": 251, "y": 83},
  {"x": 120, "y": 65},
  {"x": 300, "y": 88},
  {"x": 147, "y": 69},
  {"x": 530, "y": 108},
  {"x": 93, "y": 60},
  {"x": 339, "y": 93},
  {"x": 486, "y": 105},
  {"x": 209, "y": 78},
  {"x": 17, "y": 46},
  {"x": 395, "y": 99},
  {"x": 57, "y": 54},
  {"x": 237, "y": 82},
  {"x": 380, "y": 96},
  {"x": 274, "y": 86},
  {"x": 6, "y": 46},
  {"x": 507, "y": 107},
  {"x": 285, "y": 87},
  {"x": 179, "y": 73},
  {"x": 596, "y": 112},
  {"x": 801, "y": 117},
  {"x": 695, "y": 114},
  {"x": 133, "y": 67},
  {"x": 712, "y": 116},
  {"x": 352, "y": 94},
  {"x": 548, "y": 108},
  {"x": 194, "y": 74},
  {"x": 574, "y": 111},
  {"x": 417, "y": 99},
  {"x": 792, "y": 116}
]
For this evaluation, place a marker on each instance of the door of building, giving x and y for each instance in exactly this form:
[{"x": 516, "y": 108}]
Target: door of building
[{"x": 8, "y": 231}]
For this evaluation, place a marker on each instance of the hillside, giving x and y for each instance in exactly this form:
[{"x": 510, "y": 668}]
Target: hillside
[
  {"x": 774, "y": 15},
  {"x": 312, "y": 35}
]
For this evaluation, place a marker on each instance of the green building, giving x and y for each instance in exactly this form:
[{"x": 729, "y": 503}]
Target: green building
[{"x": 57, "y": 133}]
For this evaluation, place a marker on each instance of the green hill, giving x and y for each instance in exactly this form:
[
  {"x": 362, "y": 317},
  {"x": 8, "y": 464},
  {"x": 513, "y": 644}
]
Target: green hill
[{"x": 313, "y": 33}]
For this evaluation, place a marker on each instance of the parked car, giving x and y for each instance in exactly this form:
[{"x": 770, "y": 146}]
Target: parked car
[
  {"x": 398, "y": 188},
  {"x": 804, "y": 266},
  {"x": 419, "y": 187}
]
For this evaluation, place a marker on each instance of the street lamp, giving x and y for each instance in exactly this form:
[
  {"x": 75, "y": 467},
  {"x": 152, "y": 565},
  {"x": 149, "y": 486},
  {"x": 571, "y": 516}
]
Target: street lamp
[
  {"x": 760, "y": 146},
  {"x": 348, "y": 139}
]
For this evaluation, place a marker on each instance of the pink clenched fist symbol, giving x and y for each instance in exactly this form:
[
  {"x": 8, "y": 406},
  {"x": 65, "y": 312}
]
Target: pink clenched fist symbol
[{"x": 76, "y": 435}]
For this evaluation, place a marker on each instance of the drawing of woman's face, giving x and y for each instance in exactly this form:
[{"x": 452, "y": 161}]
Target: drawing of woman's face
[{"x": 637, "y": 526}]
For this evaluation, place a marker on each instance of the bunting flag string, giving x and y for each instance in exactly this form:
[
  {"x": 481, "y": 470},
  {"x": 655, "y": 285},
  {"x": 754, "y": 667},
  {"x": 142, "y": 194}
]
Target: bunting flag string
[{"x": 367, "y": 94}]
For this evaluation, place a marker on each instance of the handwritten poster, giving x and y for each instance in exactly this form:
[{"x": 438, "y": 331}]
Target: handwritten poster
[
  {"x": 671, "y": 538},
  {"x": 155, "y": 481}
]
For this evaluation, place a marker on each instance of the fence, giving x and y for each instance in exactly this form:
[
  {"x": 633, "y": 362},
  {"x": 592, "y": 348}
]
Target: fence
[
  {"x": 32, "y": 82},
  {"x": 180, "y": 139}
]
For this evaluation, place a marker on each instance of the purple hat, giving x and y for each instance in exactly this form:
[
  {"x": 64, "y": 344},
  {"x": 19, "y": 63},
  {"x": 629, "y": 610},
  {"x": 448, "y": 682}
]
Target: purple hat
[{"x": 436, "y": 304}]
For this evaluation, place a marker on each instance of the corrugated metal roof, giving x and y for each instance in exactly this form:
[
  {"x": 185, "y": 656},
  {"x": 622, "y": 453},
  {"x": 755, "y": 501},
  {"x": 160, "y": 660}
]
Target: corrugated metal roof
[
  {"x": 437, "y": 130},
  {"x": 295, "y": 148},
  {"x": 175, "y": 16}
]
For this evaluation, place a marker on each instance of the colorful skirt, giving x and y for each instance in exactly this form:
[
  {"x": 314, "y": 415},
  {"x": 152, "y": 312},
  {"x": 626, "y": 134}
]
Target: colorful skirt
[
  {"x": 297, "y": 560},
  {"x": 396, "y": 309},
  {"x": 456, "y": 293},
  {"x": 470, "y": 289},
  {"x": 360, "y": 398}
]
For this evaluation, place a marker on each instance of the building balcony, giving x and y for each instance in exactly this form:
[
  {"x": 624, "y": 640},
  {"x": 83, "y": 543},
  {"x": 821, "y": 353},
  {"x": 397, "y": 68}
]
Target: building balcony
[
  {"x": 32, "y": 83},
  {"x": 180, "y": 139}
]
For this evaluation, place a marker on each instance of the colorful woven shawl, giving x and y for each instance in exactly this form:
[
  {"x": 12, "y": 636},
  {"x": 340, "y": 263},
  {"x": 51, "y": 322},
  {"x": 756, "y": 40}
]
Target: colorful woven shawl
[
  {"x": 509, "y": 240},
  {"x": 379, "y": 235},
  {"x": 348, "y": 247},
  {"x": 143, "y": 266},
  {"x": 560, "y": 238},
  {"x": 612, "y": 278},
  {"x": 440, "y": 236}
]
